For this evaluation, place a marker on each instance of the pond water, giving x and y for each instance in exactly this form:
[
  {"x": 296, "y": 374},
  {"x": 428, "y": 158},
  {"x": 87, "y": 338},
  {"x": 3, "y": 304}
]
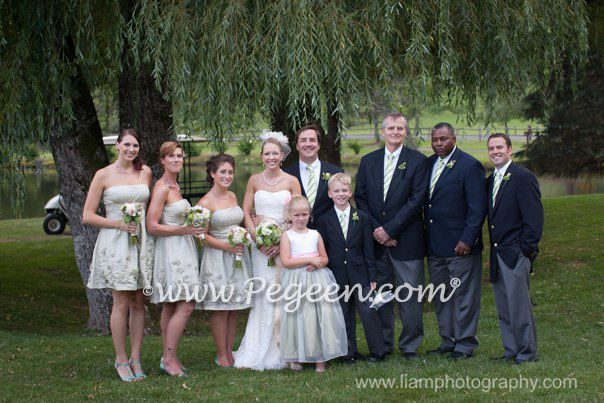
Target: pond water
[{"x": 40, "y": 188}]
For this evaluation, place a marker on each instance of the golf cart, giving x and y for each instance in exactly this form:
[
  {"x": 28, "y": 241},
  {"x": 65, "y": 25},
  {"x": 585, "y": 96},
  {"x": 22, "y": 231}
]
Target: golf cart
[{"x": 56, "y": 219}]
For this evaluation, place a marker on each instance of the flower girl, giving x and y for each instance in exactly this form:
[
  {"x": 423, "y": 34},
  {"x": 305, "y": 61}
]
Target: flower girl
[{"x": 312, "y": 328}]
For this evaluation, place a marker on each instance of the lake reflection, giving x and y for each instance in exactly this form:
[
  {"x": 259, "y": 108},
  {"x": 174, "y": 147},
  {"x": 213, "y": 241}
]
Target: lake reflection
[{"x": 41, "y": 188}]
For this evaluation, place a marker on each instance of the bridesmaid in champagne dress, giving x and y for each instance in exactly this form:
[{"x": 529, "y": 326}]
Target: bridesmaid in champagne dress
[
  {"x": 117, "y": 262},
  {"x": 175, "y": 274},
  {"x": 217, "y": 270}
]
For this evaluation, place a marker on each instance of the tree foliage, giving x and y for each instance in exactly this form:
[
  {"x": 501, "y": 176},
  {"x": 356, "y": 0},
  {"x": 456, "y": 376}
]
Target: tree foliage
[{"x": 572, "y": 143}]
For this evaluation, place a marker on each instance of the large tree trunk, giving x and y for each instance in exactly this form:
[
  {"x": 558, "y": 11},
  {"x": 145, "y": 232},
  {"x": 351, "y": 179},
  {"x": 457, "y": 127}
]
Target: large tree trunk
[
  {"x": 141, "y": 105},
  {"x": 78, "y": 151},
  {"x": 332, "y": 144}
]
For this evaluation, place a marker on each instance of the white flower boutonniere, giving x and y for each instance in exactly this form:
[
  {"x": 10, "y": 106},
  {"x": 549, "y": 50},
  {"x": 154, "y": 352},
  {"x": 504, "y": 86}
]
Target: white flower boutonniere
[
  {"x": 403, "y": 166},
  {"x": 451, "y": 164},
  {"x": 355, "y": 216},
  {"x": 326, "y": 176},
  {"x": 506, "y": 177}
]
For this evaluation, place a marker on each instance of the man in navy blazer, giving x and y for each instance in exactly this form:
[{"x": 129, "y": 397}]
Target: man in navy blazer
[
  {"x": 454, "y": 213},
  {"x": 348, "y": 239},
  {"x": 515, "y": 216},
  {"x": 312, "y": 173},
  {"x": 391, "y": 188}
]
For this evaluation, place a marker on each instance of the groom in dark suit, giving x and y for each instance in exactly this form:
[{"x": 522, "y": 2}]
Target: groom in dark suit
[
  {"x": 515, "y": 216},
  {"x": 312, "y": 173},
  {"x": 454, "y": 213},
  {"x": 391, "y": 187}
]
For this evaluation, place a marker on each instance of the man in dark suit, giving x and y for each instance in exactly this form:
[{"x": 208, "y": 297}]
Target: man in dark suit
[
  {"x": 391, "y": 188},
  {"x": 312, "y": 173},
  {"x": 515, "y": 216},
  {"x": 348, "y": 239},
  {"x": 454, "y": 213}
]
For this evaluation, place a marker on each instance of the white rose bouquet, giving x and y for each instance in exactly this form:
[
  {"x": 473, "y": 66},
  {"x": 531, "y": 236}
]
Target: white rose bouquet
[
  {"x": 238, "y": 236},
  {"x": 133, "y": 212},
  {"x": 197, "y": 216},
  {"x": 268, "y": 234}
]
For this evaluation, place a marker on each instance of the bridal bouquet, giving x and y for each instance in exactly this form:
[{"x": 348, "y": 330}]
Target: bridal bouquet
[
  {"x": 268, "y": 234},
  {"x": 133, "y": 212},
  {"x": 238, "y": 236},
  {"x": 197, "y": 216}
]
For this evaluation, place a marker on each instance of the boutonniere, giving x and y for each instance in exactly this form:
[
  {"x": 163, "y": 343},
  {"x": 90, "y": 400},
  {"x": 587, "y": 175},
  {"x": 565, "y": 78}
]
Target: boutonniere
[
  {"x": 506, "y": 177},
  {"x": 451, "y": 164},
  {"x": 403, "y": 166},
  {"x": 326, "y": 176},
  {"x": 355, "y": 216}
]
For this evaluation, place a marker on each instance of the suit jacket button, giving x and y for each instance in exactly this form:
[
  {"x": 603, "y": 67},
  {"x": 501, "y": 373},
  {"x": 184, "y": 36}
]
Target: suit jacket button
[
  {"x": 383, "y": 213},
  {"x": 492, "y": 226},
  {"x": 431, "y": 221},
  {"x": 344, "y": 261},
  {"x": 495, "y": 244},
  {"x": 346, "y": 249},
  {"x": 429, "y": 206}
]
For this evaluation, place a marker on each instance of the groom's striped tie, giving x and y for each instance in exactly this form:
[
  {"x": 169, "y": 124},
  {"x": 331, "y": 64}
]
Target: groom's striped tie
[
  {"x": 496, "y": 184},
  {"x": 388, "y": 174},
  {"x": 439, "y": 170},
  {"x": 311, "y": 186}
]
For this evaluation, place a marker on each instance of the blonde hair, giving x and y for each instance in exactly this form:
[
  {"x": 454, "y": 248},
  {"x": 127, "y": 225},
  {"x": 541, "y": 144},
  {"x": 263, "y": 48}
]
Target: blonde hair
[
  {"x": 341, "y": 177},
  {"x": 295, "y": 200}
]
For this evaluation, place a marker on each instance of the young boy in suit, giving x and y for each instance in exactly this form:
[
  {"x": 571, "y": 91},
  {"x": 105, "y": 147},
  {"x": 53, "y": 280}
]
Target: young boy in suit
[{"x": 348, "y": 239}]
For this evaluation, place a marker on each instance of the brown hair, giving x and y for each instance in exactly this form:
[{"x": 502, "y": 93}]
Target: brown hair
[
  {"x": 215, "y": 162},
  {"x": 168, "y": 148},
  {"x": 507, "y": 138},
  {"x": 272, "y": 141},
  {"x": 137, "y": 163},
  {"x": 316, "y": 128}
]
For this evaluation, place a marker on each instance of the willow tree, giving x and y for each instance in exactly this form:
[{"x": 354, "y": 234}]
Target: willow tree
[
  {"x": 299, "y": 61},
  {"x": 221, "y": 62}
]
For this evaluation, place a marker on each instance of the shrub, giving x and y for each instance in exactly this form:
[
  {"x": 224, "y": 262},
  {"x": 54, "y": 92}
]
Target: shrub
[
  {"x": 246, "y": 145},
  {"x": 355, "y": 146}
]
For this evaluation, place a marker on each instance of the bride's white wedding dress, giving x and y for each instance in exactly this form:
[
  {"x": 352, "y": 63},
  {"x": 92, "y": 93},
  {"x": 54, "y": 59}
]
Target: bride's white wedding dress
[{"x": 259, "y": 348}]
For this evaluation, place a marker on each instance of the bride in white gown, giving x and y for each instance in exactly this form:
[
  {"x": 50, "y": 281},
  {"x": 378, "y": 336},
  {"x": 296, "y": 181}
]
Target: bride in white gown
[{"x": 267, "y": 192}]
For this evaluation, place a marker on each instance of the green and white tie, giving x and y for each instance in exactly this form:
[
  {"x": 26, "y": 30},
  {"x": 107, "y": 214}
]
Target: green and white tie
[
  {"x": 344, "y": 224},
  {"x": 388, "y": 174},
  {"x": 496, "y": 184},
  {"x": 439, "y": 169},
  {"x": 311, "y": 186}
]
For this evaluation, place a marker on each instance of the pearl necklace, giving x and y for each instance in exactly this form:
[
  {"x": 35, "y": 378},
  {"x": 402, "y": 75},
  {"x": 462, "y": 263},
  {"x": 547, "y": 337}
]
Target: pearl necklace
[
  {"x": 226, "y": 196},
  {"x": 123, "y": 171},
  {"x": 267, "y": 181}
]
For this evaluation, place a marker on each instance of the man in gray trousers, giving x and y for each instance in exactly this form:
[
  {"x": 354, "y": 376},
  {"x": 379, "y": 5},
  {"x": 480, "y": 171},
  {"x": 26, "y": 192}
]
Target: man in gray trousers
[
  {"x": 515, "y": 225},
  {"x": 454, "y": 213}
]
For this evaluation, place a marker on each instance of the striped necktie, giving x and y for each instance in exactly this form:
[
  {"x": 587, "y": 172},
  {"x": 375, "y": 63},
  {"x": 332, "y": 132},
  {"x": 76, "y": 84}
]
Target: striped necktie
[
  {"x": 496, "y": 184},
  {"x": 344, "y": 224},
  {"x": 311, "y": 186},
  {"x": 388, "y": 174},
  {"x": 439, "y": 169}
]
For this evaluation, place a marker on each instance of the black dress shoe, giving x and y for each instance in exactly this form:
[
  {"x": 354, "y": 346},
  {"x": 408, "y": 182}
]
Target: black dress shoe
[
  {"x": 519, "y": 362},
  {"x": 359, "y": 357},
  {"x": 387, "y": 352},
  {"x": 375, "y": 358},
  {"x": 458, "y": 355},
  {"x": 349, "y": 360},
  {"x": 409, "y": 356},
  {"x": 439, "y": 351}
]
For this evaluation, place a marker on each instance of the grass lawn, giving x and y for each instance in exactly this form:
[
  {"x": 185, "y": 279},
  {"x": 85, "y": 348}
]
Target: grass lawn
[{"x": 45, "y": 353}]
